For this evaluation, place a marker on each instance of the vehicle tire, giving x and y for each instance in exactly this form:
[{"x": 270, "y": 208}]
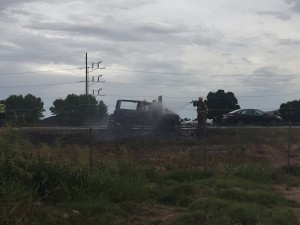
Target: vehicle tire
[{"x": 240, "y": 123}]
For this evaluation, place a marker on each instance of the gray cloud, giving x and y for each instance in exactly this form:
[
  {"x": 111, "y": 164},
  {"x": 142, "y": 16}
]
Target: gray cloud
[
  {"x": 202, "y": 36},
  {"x": 246, "y": 60},
  {"x": 116, "y": 31},
  {"x": 279, "y": 15},
  {"x": 295, "y": 5},
  {"x": 271, "y": 75},
  {"x": 124, "y": 4},
  {"x": 129, "y": 35},
  {"x": 289, "y": 41}
]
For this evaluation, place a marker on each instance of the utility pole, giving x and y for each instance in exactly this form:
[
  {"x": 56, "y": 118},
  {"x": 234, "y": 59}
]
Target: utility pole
[
  {"x": 86, "y": 75},
  {"x": 95, "y": 79}
]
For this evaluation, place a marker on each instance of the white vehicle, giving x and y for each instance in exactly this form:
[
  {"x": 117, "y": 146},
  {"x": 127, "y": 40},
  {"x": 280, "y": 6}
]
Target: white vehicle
[{"x": 194, "y": 123}]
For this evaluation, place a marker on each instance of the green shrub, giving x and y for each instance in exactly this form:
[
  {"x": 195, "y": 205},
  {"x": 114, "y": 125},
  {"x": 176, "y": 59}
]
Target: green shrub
[
  {"x": 250, "y": 172},
  {"x": 194, "y": 218},
  {"x": 231, "y": 211},
  {"x": 180, "y": 194},
  {"x": 188, "y": 175},
  {"x": 279, "y": 216},
  {"x": 265, "y": 198}
]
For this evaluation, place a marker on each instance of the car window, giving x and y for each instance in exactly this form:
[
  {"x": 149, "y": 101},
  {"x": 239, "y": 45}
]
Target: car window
[
  {"x": 128, "y": 105},
  {"x": 258, "y": 112},
  {"x": 246, "y": 112}
]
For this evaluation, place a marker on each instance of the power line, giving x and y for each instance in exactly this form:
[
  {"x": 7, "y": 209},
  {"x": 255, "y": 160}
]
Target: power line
[
  {"x": 155, "y": 72},
  {"x": 39, "y": 85},
  {"x": 38, "y": 71},
  {"x": 199, "y": 74},
  {"x": 197, "y": 85},
  {"x": 190, "y": 97},
  {"x": 157, "y": 84}
]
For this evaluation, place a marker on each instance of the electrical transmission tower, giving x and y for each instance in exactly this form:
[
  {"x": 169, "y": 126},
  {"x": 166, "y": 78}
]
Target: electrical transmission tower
[{"x": 95, "y": 79}]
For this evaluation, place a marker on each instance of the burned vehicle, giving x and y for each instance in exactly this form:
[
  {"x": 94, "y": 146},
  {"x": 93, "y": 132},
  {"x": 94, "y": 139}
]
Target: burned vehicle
[{"x": 132, "y": 113}]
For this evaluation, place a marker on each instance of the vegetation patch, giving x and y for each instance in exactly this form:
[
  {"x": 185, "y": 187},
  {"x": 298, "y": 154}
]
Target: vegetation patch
[{"x": 37, "y": 187}]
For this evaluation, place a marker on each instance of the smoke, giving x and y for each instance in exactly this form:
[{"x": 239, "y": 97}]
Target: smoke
[{"x": 176, "y": 106}]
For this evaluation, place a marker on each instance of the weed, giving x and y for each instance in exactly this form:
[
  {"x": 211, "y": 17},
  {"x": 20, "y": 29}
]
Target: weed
[
  {"x": 52, "y": 185},
  {"x": 292, "y": 181},
  {"x": 193, "y": 218},
  {"x": 188, "y": 175}
]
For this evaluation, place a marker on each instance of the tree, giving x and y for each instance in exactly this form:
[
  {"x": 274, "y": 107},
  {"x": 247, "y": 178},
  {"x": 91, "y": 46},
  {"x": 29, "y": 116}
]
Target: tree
[
  {"x": 219, "y": 103},
  {"x": 290, "y": 111},
  {"x": 77, "y": 109},
  {"x": 102, "y": 109},
  {"x": 23, "y": 110}
]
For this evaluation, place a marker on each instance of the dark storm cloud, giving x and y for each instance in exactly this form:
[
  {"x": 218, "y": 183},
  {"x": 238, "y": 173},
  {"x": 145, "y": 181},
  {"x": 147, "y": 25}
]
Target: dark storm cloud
[
  {"x": 278, "y": 15},
  {"x": 295, "y": 5}
]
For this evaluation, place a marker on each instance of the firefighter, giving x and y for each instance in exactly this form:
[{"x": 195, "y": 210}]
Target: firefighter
[
  {"x": 2, "y": 114},
  {"x": 201, "y": 112}
]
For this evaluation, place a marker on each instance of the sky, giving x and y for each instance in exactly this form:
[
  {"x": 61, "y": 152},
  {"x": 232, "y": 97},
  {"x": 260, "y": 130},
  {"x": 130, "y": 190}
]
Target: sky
[{"x": 174, "y": 48}]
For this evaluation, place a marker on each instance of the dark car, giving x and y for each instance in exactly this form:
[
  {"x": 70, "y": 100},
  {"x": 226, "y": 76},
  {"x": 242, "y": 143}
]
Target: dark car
[{"x": 251, "y": 116}]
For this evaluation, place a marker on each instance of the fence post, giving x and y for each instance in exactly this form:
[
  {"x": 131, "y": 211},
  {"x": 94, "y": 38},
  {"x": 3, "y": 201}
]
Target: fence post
[
  {"x": 289, "y": 148},
  {"x": 205, "y": 149},
  {"x": 91, "y": 150}
]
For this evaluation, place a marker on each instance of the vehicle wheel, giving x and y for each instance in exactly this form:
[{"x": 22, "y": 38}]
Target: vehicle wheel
[{"x": 240, "y": 123}]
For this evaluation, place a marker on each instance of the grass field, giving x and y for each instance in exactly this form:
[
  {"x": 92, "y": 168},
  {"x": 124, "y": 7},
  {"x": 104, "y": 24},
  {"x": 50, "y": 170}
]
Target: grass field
[{"x": 147, "y": 182}]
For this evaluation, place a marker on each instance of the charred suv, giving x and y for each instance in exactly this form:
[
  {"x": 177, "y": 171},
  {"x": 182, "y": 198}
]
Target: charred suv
[{"x": 130, "y": 113}]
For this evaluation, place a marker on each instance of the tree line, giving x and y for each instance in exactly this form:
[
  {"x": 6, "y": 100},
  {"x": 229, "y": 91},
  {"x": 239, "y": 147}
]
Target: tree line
[
  {"x": 77, "y": 109},
  {"x": 221, "y": 102},
  {"x": 73, "y": 110}
]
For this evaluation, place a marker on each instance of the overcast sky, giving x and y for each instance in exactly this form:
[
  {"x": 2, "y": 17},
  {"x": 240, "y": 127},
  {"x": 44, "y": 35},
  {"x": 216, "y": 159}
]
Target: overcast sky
[{"x": 175, "y": 48}]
